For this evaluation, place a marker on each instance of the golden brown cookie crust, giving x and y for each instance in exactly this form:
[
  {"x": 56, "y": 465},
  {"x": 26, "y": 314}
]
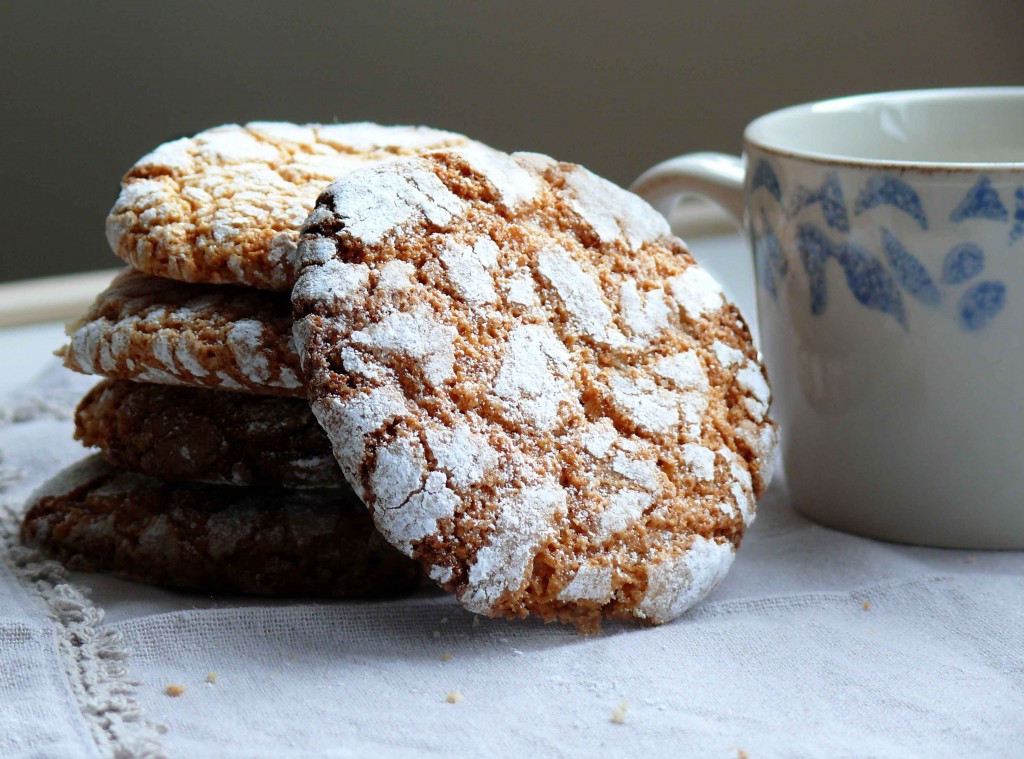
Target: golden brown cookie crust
[
  {"x": 192, "y": 434},
  {"x": 264, "y": 541},
  {"x": 151, "y": 329},
  {"x": 531, "y": 383},
  {"x": 225, "y": 205}
]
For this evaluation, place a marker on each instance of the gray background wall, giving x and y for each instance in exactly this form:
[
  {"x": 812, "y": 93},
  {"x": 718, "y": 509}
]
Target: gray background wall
[{"x": 86, "y": 88}]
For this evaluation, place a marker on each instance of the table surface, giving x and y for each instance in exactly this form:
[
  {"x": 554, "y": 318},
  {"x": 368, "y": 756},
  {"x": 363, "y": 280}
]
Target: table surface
[{"x": 25, "y": 351}]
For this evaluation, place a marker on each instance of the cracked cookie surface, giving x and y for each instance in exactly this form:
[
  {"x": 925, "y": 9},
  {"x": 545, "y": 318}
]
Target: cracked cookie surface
[
  {"x": 192, "y": 434},
  {"x": 532, "y": 385},
  {"x": 152, "y": 329},
  {"x": 266, "y": 541},
  {"x": 225, "y": 205}
]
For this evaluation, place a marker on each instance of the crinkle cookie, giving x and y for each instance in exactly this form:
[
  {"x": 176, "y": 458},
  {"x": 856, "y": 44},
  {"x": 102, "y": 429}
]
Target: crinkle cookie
[
  {"x": 185, "y": 433},
  {"x": 529, "y": 381},
  {"x": 151, "y": 329},
  {"x": 267, "y": 541},
  {"x": 225, "y": 206}
]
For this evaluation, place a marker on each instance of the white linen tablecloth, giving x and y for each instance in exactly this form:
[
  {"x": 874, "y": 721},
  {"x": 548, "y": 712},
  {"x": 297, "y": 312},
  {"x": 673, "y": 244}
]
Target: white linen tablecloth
[{"x": 816, "y": 644}]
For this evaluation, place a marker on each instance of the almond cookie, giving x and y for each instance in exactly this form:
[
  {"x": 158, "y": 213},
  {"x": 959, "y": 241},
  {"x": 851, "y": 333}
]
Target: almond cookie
[
  {"x": 185, "y": 433},
  {"x": 267, "y": 541},
  {"x": 538, "y": 393},
  {"x": 225, "y": 206},
  {"x": 152, "y": 329}
]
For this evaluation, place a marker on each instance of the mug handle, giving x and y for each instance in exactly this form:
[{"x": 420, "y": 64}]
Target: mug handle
[{"x": 716, "y": 176}]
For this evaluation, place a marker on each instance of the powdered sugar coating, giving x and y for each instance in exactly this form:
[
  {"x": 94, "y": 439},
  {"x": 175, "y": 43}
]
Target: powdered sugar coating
[
  {"x": 598, "y": 439},
  {"x": 697, "y": 292},
  {"x": 374, "y": 205},
  {"x": 649, "y": 407},
  {"x": 727, "y": 355},
  {"x": 151, "y": 329},
  {"x": 579, "y": 293},
  {"x": 349, "y": 423},
  {"x": 616, "y": 216},
  {"x": 701, "y": 460},
  {"x": 645, "y": 314},
  {"x": 523, "y": 522},
  {"x": 592, "y": 582},
  {"x": 417, "y": 336},
  {"x": 554, "y": 435},
  {"x": 225, "y": 206},
  {"x": 468, "y": 269},
  {"x": 531, "y": 382},
  {"x": 409, "y": 505},
  {"x": 675, "y": 585},
  {"x": 513, "y": 184}
]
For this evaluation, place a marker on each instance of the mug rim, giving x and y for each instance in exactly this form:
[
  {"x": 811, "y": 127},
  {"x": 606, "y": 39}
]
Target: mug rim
[{"x": 838, "y": 159}]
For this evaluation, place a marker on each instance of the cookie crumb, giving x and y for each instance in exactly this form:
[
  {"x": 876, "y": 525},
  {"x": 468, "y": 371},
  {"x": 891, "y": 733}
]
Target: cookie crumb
[
  {"x": 867, "y": 606},
  {"x": 454, "y": 697},
  {"x": 211, "y": 678},
  {"x": 446, "y": 657},
  {"x": 741, "y": 754},
  {"x": 437, "y": 634},
  {"x": 174, "y": 690},
  {"x": 476, "y": 621},
  {"x": 444, "y": 620},
  {"x": 619, "y": 715}
]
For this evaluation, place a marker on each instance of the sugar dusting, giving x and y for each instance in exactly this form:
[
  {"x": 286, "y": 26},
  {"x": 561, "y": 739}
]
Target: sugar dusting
[
  {"x": 408, "y": 506},
  {"x": 645, "y": 314},
  {"x": 592, "y": 582},
  {"x": 523, "y": 521},
  {"x": 580, "y": 293},
  {"x": 614, "y": 214},
  {"x": 697, "y": 292},
  {"x": 677, "y": 583},
  {"x": 418, "y": 336},
  {"x": 349, "y": 422},
  {"x": 727, "y": 356},
  {"x": 463, "y": 454},
  {"x": 515, "y": 184},
  {"x": 652, "y": 408},
  {"x": 599, "y": 438},
  {"x": 531, "y": 382},
  {"x": 468, "y": 269},
  {"x": 376, "y": 201},
  {"x": 624, "y": 508},
  {"x": 701, "y": 460}
]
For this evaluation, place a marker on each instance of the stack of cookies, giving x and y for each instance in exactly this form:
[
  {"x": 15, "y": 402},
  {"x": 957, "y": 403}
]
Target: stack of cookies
[
  {"x": 212, "y": 472},
  {"x": 541, "y": 400}
]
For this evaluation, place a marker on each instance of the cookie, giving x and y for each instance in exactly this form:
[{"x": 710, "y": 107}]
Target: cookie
[
  {"x": 225, "y": 206},
  {"x": 151, "y": 329},
  {"x": 266, "y": 541},
  {"x": 531, "y": 383},
  {"x": 184, "y": 433}
]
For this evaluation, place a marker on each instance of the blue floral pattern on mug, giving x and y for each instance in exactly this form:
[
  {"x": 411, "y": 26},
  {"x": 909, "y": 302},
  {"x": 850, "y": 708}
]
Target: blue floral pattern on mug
[
  {"x": 829, "y": 196},
  {"x": 879, "y": 279},
  {"x": 891, "y": 191},
  {"x": 981, "y": 202}
]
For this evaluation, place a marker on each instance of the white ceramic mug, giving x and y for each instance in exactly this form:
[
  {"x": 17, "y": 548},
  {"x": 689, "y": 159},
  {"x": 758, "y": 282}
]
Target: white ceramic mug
[{"x": 888, "y": 240}]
